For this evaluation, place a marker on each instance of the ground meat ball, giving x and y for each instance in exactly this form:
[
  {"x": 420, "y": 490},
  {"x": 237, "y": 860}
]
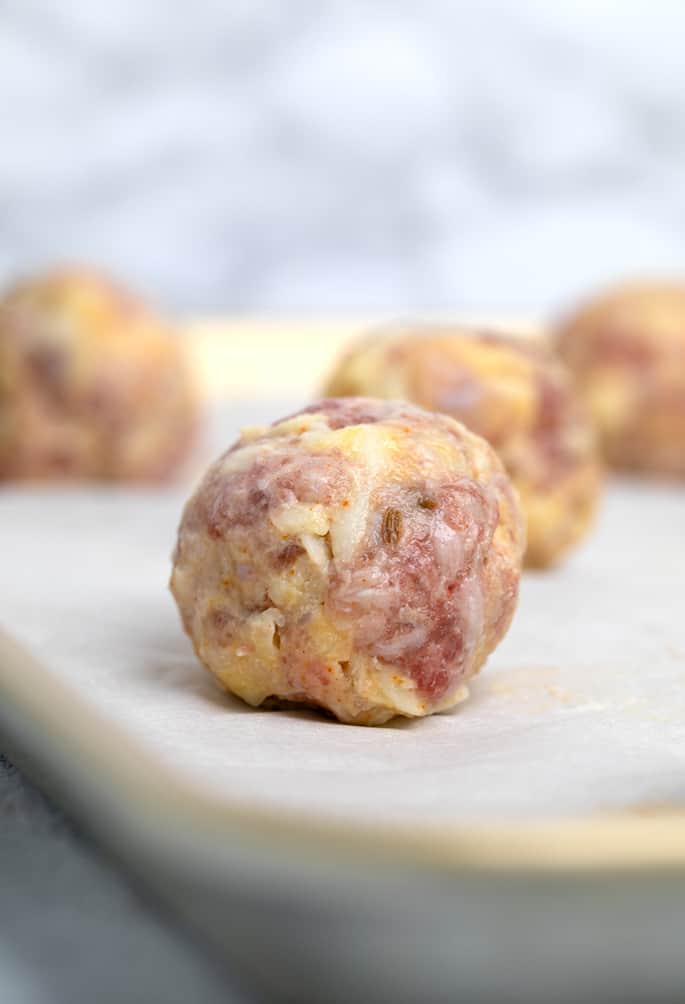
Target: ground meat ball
[
  {"x": 627, "y": 351},
  {"x": 510, "y": 390},
  {"x": 92, "y": 384},
  {"x": 362, "y": 556}
]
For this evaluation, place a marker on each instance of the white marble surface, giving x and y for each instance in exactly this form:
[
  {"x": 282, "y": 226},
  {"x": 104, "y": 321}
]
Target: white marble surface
[{"x": 345, "y": 154}]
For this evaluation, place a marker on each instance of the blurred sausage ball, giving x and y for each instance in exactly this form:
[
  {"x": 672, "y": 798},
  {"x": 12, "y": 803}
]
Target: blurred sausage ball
[
  {"x": 92, "y": 383},
  {"x": 362, "y": 556},
  {"x": 627, "y": 351},
  {"x": 512, "y": 391}
]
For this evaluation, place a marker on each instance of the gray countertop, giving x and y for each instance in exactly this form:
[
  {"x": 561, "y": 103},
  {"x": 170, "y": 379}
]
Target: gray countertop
[{"x": 72, "y": 930}]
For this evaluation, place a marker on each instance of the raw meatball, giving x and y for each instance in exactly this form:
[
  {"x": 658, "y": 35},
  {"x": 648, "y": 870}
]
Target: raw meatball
[
  {"x": 92, "y": 384},
  {"x": 510, "y": 390},
  {"x": 362, "y": 556},
  {"x": 627, "y": 350}
]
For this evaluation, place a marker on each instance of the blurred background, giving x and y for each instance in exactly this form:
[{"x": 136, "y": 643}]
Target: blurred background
[{"x": 341, "y": 155}]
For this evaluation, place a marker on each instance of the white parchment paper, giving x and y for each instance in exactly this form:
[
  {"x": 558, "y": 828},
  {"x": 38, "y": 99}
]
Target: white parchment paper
[{"x": 582, "y": 708}]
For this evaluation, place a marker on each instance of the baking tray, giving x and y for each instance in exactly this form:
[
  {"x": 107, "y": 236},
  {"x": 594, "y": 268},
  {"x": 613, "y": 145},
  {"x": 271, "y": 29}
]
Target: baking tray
[{"x": 528, "y": 846}]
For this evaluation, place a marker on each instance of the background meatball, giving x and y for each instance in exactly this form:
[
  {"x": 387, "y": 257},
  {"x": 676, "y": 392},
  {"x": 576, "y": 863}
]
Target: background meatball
[
  {"x": 362, "y": 556},
  {"x": 627, "y": 351},
  {"x": 92, "y": 384},
  {"x": 511, "y": 390}
]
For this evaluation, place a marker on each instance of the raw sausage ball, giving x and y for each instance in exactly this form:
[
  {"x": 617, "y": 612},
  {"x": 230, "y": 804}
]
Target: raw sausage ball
[
  {"x": 627, "y": 351},
  {"x": 362, "y": 556},
  {"x": 515, "y": 393},
  {"x": 92, "y": 384}
]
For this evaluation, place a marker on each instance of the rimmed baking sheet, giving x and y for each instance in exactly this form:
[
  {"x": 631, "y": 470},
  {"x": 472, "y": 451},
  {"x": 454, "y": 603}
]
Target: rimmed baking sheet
[
  {"x": 579, "y": 716},
  {"x": 529, "y": 845}
]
